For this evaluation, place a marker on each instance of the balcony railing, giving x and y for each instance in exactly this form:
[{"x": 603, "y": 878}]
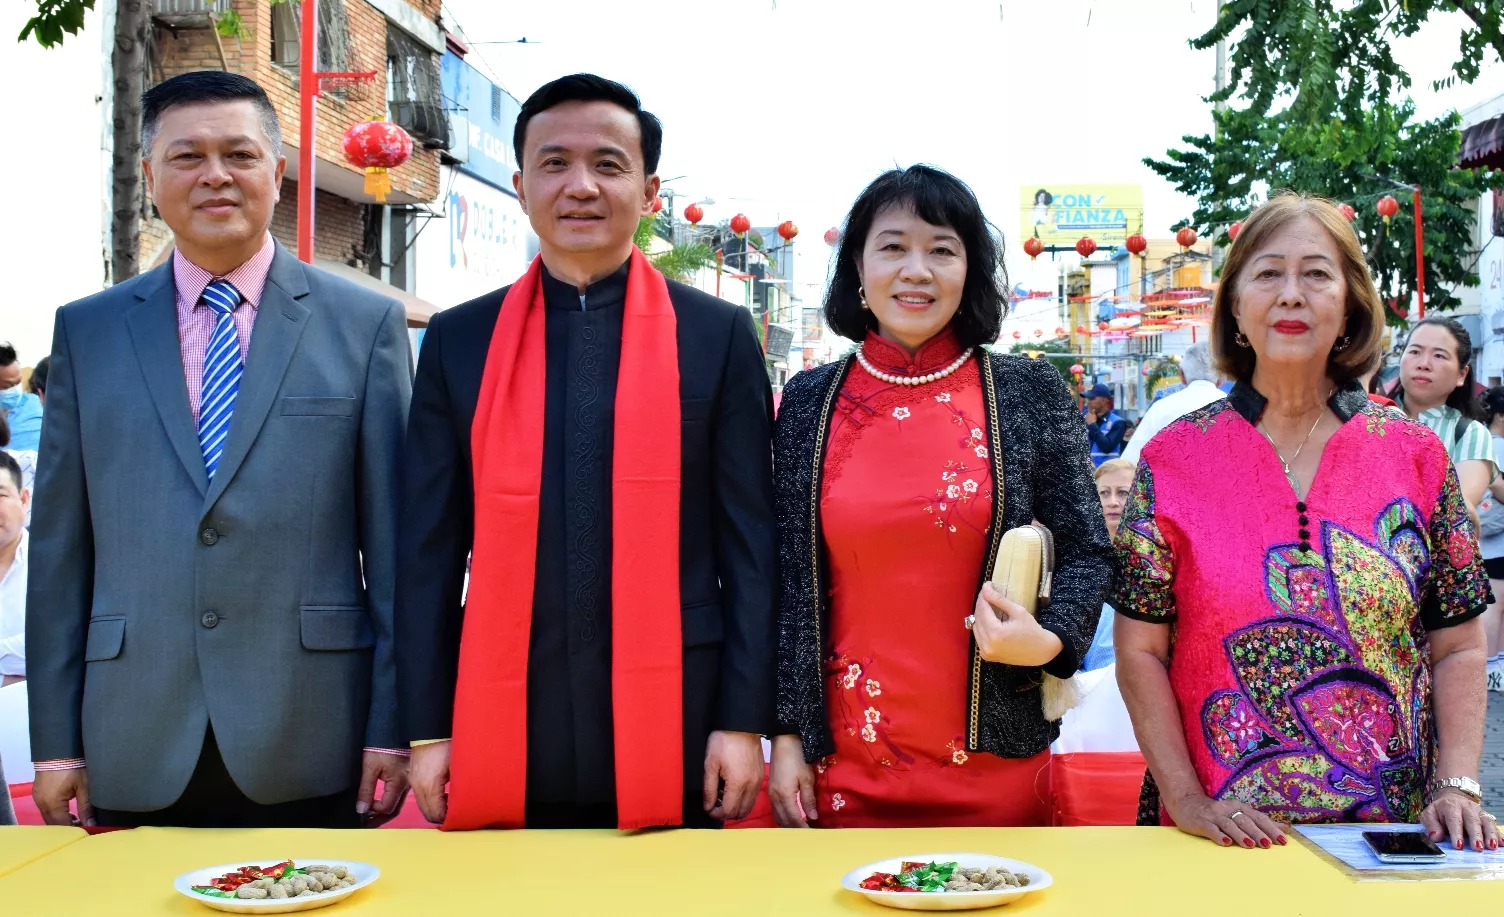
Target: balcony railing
[{"x": 189, "y": 12}]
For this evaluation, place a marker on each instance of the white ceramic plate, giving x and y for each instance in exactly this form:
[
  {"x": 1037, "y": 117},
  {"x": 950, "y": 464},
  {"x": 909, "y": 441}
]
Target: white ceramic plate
[
  {"x": 948, "y": 901},
  {"x": 363, "y": 874}
]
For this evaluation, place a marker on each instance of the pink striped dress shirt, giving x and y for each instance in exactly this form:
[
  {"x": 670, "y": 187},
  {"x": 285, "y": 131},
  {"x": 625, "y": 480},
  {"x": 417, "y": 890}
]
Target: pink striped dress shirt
[{"x": 196, "y": 320}]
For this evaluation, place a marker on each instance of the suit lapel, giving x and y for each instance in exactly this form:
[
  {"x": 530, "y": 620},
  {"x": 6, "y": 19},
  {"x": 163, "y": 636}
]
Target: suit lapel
[
  {"x": 274, "y": 337},
  {"x": 153, "y": 325}
]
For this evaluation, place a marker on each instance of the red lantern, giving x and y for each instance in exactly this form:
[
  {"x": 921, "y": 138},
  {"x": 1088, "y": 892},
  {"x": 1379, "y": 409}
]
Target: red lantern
[
  {"x": 1017, "y": 335},
  {"x": 832, "y": 236},
  {"x": 1348, "y": 211},
  {"x": 1136, "y": 244},
  {"x": 1234, "y": 229},
  {"x": 1387, "y": 207},
  {"x": 1085, "y": 247},
  {"x": 787, "y": 230},
  {"x": 1082, "y": 329},
  {"x": 1186, "y": 237},
  {"x": 1059, "y": 332},
  {"x": 1033, "y": 247},
  {"x": 657, "y": 204},
  {"x": 377, "y": 146},
  {"x": 1077, "y": 369},
  {"x": 1039, "y": 332},
  {"x": 694, "y": 214},
  {"x": 740, "y": 224},
  {"x": 1102, "y": 326}
]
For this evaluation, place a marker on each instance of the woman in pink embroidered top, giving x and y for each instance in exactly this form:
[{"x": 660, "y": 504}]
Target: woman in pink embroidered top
[
  {"x": 898, "y": 469},
  {"x": 1312, "y": 557}
]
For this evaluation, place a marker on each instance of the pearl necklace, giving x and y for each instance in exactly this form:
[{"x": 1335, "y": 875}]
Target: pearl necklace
[{"x": 891, "y": 379}]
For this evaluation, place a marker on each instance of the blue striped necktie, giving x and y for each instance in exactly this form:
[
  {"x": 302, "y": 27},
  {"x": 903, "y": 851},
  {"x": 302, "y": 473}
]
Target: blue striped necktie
[{"x": 222, "y": 369}]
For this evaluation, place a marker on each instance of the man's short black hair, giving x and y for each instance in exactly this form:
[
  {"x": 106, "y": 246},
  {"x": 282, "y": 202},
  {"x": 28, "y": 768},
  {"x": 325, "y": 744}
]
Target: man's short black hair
[
  {"x": 587, "y": 87},
  {"x": 39, "y": 375},
  {"x": 8, "y": 464},
  {"x": 7, "y": 354},
  {"x": 201, "y": 87},
  {"x": 940, "y": 199}
]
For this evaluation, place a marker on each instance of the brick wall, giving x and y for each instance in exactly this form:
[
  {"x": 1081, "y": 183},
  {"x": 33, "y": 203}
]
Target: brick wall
[
  {"x": 419, "y": 176},
  {"x": 338, "y": 225}
]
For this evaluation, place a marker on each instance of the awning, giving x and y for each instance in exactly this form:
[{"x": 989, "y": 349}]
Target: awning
[
  {"x": 419, "y": 311},
  {"x": 1483, "y": 145}
]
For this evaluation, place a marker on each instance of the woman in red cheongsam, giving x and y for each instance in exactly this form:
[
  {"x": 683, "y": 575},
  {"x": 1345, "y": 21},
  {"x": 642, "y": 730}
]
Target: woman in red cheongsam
[{"x": 899, "y": 468}]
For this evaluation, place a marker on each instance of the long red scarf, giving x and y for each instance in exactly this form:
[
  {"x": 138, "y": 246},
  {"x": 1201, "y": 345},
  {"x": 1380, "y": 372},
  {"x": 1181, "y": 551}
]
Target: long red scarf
[{"x": 488, "y": 757}]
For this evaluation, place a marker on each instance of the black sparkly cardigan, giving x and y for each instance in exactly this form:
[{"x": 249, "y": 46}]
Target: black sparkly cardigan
[{"x": 1040, "y": 453}]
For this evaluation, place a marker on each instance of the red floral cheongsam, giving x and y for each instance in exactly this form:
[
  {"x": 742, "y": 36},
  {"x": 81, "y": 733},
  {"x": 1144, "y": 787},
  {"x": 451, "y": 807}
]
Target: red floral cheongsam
[{"x": 905, "y": 507}]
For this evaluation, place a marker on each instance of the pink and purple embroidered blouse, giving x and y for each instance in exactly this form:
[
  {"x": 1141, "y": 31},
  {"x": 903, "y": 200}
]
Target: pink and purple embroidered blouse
[{"x": 1299, "y": 628}]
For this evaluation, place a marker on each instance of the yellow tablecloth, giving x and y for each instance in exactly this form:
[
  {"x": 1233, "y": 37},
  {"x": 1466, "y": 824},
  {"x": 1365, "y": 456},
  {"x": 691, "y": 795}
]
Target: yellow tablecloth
[
  {"x": 1101, "y": 872},
  {"x": 19, "y": 846}
]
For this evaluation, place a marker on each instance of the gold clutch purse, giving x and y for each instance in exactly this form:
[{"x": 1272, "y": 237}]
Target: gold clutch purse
[{"x": 1024, "y": 568}]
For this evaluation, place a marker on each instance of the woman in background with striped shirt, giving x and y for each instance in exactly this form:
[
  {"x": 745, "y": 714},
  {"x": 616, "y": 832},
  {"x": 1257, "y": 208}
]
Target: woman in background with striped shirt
[{"x": 1436, "y": 389}]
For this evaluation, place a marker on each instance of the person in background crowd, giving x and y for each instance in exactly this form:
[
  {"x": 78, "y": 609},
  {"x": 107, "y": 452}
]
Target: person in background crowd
[
  {"x": 1200, "y": 390},
  {"x": 1114, "y": 481},
  {"x": 22, "y": 409},
  {"x": 15, "y": 508},
  {"x": 39, "y": 379},
  {"x": 27, "y": 461},
  {"x": 878, "y": 728},
  {"x": 1129, "y": 428},
  {"x": 1373, "y": 383},
  {"x": 1491, "y": 540},
  {"x": 1311, "y": 554},
  {"x": 15, "y": 501},
  {"x": 212, "y": 576},
  {"x": 598, "y": 437},
  {"x": 1104, "y": 428},
  {"x": 1435, "y": 389}
]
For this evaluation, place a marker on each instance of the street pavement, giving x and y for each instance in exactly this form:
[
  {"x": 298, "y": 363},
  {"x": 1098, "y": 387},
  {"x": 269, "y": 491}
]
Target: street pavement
[{"x": 1492, "y": 772}]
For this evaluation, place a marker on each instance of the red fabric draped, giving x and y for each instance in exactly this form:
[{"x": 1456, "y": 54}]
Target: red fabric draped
[{"x": 488, "y": 758}]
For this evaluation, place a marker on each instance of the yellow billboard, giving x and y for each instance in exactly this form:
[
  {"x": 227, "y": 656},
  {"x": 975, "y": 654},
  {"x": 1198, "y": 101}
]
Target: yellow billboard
[{"x": 1060, "y": 214}]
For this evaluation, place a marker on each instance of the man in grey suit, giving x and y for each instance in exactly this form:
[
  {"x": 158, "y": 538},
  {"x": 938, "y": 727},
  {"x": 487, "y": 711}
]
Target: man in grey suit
[{"x": 209, "y": 627}]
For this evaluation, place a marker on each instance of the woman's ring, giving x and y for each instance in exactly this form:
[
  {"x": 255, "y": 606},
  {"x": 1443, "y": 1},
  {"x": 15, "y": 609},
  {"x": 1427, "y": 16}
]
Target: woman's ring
[
  {"x": 1489, "y": 815},
  {"x": 1237, "y": 814},
  {"x": 970, "y": 620}
]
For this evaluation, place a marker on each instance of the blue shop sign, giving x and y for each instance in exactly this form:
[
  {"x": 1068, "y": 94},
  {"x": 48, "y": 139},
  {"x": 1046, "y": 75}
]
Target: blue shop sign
[{"x": 487, "y": 113}]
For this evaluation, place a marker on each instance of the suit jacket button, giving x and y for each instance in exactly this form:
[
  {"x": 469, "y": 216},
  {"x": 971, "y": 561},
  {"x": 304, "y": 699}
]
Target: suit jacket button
[
  {"x": 210, "y": 619},
  {"x": 208, "y": 536}
]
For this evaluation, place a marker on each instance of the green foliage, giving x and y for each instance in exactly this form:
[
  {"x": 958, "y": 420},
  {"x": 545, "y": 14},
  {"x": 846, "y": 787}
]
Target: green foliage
[
  {"x": 53, "y": 19},
  {"x": 1321, "y": 116},
  {"x": 1062, "y": 364},
  {"x": 678, "y": 262}
]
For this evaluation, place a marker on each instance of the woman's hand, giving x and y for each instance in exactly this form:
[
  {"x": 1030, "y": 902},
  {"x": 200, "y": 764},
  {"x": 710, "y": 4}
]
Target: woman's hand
[
  {"x": 791, "y": 784},
  {"x": 1226, "y": 822},
  {"x": 1457, "y": 816},
  {"x": 1006, "y": 633}
]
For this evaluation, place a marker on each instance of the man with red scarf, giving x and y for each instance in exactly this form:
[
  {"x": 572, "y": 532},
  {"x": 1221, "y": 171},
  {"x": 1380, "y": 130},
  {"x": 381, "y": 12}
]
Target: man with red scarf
[{"x": 595, "y": 440}]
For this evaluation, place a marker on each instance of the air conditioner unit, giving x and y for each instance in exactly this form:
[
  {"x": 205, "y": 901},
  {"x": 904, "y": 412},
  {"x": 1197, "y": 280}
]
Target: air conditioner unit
[{"x": 459, "y": 139}]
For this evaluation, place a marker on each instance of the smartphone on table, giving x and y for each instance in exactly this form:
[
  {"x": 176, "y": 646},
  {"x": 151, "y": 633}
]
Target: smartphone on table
[{"x": 1404, "y": 847}]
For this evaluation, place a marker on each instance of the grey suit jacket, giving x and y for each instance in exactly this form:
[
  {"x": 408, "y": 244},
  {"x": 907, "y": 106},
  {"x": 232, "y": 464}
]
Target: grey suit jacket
[{"x": 260, "y": 603}]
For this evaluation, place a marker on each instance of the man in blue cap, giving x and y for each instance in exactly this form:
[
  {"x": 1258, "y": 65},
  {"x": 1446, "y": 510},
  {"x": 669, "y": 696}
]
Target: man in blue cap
[{"x": 1104, "y": 427}]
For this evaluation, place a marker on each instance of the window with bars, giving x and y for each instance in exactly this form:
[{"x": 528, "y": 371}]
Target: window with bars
[
  {"x": 334, "y": 35},
  {"x": 413, "y": 92}
]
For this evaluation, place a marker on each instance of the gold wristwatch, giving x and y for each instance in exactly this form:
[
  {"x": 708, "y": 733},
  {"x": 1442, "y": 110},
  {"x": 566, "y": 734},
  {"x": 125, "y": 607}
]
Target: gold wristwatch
[{"x": 1467, "y": 786}]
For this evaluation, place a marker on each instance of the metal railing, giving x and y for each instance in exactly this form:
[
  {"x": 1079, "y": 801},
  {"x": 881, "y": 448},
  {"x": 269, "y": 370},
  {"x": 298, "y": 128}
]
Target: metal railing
[{"x": 172, "y": 8}]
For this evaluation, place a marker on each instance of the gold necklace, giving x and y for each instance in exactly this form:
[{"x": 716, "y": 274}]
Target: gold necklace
[{"x": 1289, "y": 476}]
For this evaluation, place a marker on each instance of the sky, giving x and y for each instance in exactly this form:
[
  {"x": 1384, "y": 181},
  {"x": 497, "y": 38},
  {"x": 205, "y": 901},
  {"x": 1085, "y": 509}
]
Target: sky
[{"x": 785, "y": 109}]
